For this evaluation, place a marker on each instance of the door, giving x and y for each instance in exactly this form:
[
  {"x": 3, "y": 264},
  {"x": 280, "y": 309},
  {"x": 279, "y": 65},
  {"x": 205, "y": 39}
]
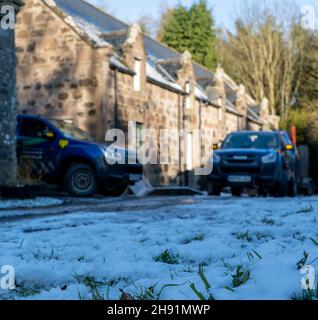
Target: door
[{"x": 37, "y": 146}]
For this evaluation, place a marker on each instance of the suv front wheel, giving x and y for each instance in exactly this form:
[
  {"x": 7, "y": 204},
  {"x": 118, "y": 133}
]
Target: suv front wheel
[{"x": 80, "y": 180}]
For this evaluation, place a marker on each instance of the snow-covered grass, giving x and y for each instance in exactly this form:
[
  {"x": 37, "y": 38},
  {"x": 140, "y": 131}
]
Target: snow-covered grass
[
  {"x": 28, "y": 203},
  {"x": 242, "y": 248}
]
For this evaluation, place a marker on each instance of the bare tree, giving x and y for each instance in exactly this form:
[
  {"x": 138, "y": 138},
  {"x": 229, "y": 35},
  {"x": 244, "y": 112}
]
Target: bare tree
[
  {"x": 266, "y": 52},
  {"x": 147, "y": 24}
]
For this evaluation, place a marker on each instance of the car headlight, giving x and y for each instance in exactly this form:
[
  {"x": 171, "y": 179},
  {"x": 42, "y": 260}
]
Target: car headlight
[
  {"x": 216, "y": 158},
  {"x": 269, "y": 158},
  {"x": 113, "y": 155}
]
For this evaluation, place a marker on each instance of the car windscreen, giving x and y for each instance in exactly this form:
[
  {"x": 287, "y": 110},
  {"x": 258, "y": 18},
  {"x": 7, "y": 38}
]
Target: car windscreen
[
  {"x": 70, "y": 131},
  {"x": 251, "y": 141}
]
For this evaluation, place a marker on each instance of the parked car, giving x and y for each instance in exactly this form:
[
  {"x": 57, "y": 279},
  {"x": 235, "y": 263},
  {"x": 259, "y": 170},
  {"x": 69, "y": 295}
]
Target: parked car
[
  {"x": 266, "y": 160},
  {"x": 68, "y": 156}
]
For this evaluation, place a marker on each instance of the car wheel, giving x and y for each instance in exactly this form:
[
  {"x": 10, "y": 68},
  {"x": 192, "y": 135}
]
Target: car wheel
[
  {"x": 236, "y": 191},
  {"x": 214, "y": 190},
  {"x": 80, "y": 180}
]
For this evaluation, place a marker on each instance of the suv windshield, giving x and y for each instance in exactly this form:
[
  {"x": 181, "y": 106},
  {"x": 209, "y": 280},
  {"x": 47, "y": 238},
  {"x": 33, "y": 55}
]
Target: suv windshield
[
  {"x": 251, "y": 141},
  {"x": 71, "y": 132}
]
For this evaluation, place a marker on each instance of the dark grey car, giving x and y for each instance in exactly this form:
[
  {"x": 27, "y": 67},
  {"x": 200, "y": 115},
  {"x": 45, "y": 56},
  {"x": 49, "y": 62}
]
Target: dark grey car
[{"x": 267, "y": 161}]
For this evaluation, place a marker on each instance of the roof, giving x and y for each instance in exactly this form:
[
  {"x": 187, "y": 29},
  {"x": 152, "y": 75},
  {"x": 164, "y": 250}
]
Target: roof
[{"x": 102, "y": 29}]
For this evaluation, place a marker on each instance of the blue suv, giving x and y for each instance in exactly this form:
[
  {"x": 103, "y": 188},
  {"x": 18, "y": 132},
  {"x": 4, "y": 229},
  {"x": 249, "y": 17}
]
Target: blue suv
[
  {"x": 267, "y": 161},
  {"x": 68, "y": 156}
]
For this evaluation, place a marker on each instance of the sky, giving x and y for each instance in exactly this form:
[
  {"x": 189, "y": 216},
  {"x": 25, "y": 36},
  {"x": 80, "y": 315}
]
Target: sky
[
  {"x": 129, "y": 10},
  {"x": 223, "y": 10}
]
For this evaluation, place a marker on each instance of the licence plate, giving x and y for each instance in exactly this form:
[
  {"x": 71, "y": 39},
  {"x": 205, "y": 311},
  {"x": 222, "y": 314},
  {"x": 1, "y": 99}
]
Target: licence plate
[
  {"x": 135, "y": 177},
  {"x": 244, "y": 179}
]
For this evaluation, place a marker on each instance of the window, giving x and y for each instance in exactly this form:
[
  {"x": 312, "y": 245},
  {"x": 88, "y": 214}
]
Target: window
[
  {"x": 188, "y": 102},
  {"x": 70, "y": 131},
  {"x": 137, "y": 76},
  {"x": 251, "y": 141},
  {"x": 188, "y": 97},
  {"x": 32, "y": 128}
]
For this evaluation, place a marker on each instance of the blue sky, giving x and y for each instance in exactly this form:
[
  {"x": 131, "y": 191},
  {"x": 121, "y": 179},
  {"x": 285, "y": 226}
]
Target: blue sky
[
  {"x": 223, "y": 10},
  {"x": 129, "y": 10}
]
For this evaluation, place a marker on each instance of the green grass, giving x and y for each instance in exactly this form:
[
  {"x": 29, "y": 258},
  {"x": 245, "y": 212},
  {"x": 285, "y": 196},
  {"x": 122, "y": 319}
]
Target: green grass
[
  {"x": 145, "y": 294},
  {"x": 199, "y": 237},
  {"x": 203, "y": 296},
  {"x": 315, "y": 242},
  {"x": 151, "y": 294},
  {"x": 306, "y": 295},
  {"x": 303, "y": 261},
  {"x": 24, "y": 292},
  {"x": 254, "y": 254},
  {"x": 246, "y": 236},
  {"x": 240, "y": 277},
  {"x": 94, "y": 286},
  {"x": 269, "y": 222},
  {"x": 168, "y": 257}
]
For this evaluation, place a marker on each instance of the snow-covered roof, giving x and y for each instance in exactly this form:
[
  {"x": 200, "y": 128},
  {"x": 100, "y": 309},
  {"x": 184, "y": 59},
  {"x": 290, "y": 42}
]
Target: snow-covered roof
[
  {"x": 102, "y": 29},
  {"x": 115, "y": 61},
  {"x": 153, "y": 74},
  {"x": 231, "y": 108}
]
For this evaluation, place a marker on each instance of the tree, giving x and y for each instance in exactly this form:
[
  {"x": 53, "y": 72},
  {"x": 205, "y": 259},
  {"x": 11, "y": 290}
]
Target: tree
[
  {"x": 266, "y": 54},
  {"x": 308, "y": 93},
  {"x": 146, "y": 23},
  {"x": 190, "y": 29}
]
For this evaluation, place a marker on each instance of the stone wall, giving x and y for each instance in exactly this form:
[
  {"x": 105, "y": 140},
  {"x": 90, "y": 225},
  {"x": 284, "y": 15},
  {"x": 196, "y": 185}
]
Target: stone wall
[
  {"x": 159, "y": 109},
  {"x": 60, "y": 75},
  {"x": 155, "y": 108},
  {"x": 7, "y": 106},
  {"x": 252, "y": 125}
]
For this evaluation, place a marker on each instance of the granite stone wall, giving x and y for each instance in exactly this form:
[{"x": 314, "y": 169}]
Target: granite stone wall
[{"x": 60, "y": 75}]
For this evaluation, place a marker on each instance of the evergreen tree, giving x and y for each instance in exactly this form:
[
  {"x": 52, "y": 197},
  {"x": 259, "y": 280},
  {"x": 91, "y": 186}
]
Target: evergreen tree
[{"x": 191, "y": 29}]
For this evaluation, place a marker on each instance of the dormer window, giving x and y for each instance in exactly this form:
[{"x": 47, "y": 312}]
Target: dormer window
[{"x": 137, "y": 76}]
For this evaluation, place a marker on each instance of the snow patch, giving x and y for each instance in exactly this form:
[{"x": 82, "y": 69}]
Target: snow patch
[
  {"x": 119, "y": 248},
  {"x": 33, "y": 203}
]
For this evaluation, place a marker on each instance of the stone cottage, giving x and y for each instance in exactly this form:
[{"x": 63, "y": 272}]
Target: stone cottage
[
  {"x": 8, "y": 10},
  {"x": 77, "y": 63}
]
